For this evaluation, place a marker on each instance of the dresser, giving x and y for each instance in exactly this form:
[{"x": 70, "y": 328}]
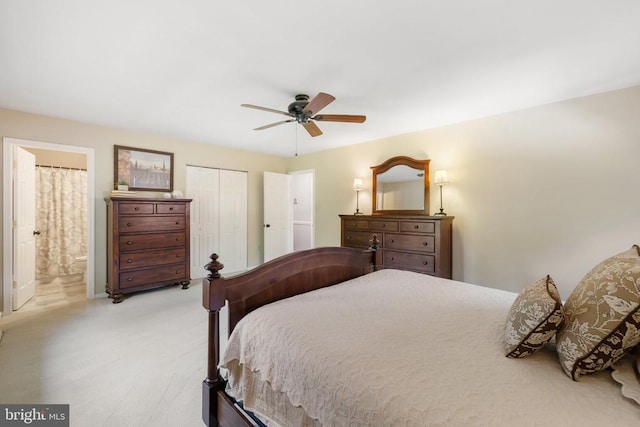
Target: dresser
[
  {"x": 406, "y": 242},
  {"x": 148, "y": 244}
]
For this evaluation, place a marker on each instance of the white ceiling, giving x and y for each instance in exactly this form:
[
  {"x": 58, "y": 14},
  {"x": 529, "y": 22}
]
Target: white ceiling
[{"x": 182, "y": 68}]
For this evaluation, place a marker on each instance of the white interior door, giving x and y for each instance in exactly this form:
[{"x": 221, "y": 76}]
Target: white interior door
[
  {"x": 278, "y": 215},
  {"x": 24, "y": 227}
]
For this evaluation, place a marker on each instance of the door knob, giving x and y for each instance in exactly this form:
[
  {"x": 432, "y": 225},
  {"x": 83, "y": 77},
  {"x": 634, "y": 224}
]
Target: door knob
[
  {"x": 36, "y": 233},
  {"x": 267, "y": 225}
]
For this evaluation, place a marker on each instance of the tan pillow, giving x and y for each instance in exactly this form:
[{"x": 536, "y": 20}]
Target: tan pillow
[
  {"x": 533, "y": 319},
  {"x": 602, "y": 316}
]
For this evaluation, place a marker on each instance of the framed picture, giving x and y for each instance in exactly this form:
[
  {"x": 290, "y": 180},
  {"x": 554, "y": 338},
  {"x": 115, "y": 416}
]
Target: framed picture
[{"x": 143, "y": 170}]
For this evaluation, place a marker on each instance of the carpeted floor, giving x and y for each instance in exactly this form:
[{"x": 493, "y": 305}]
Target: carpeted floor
[{"x": 138, "y": 363}]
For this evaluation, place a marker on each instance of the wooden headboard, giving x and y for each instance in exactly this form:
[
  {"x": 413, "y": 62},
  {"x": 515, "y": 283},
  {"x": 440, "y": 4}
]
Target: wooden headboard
[{"x": 280, "y": 278}]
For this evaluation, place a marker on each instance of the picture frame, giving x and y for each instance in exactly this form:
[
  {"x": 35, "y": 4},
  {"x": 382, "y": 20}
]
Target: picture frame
[{"x": 142, "y": 169}]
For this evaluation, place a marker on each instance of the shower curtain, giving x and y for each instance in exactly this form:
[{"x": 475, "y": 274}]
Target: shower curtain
[{"x": 61, "y": 218}]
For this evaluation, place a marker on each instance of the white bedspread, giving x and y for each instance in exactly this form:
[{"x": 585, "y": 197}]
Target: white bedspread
[{"x": 395, "y": 348}]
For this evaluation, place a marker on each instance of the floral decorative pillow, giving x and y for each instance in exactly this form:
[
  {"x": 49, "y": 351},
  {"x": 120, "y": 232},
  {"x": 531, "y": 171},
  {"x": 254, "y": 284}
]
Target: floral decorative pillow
[
  {"x": 534, "y": 318},
  {"x": 602, "y": 316}
]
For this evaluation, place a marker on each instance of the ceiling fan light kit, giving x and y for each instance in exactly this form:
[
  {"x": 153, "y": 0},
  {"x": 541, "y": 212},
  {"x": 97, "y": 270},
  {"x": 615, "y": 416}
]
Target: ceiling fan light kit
[{"x": 305, "y": 112}]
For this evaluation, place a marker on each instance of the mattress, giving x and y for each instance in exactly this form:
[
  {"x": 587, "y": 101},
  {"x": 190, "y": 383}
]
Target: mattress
[{"x": 405, "y": 349}]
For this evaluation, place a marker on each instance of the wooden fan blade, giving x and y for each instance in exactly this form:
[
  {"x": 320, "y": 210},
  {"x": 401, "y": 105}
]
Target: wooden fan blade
[
  {"x": 274, "y": 124},
  {"x": 318, "y": 103},
  {"x": 340, "y": 118},
  {"x": 312, "y": 128},
  {"x": 271, "y": 110}
]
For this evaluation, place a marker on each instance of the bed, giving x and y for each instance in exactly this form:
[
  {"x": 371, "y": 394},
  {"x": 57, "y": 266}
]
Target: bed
[{"x": 321, "y": 337}]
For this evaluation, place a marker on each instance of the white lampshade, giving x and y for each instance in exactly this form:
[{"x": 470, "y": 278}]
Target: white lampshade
[
  {"x": 357, "y": 184},
  {"x": 441, "y": 177}
]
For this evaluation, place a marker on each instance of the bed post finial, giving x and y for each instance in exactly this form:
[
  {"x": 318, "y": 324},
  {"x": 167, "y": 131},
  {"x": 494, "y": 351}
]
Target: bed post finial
[
  {"x": 376, "y": 257},
  {"x": 214, "y": 267},
  {"x": 374, "y": 242}
]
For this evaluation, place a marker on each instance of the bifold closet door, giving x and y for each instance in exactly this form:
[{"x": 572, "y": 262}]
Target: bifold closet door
[
  {"x": 233, "y": 220},
  {"x": 218, "y": 218},
  {"x": 203, "y": 186}
]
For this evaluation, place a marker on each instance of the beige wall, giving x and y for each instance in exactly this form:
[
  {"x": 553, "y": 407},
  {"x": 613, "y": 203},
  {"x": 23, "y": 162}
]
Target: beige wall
[
  {"x": 20, "y": 125},
  {"x": 547, "y": 190}
]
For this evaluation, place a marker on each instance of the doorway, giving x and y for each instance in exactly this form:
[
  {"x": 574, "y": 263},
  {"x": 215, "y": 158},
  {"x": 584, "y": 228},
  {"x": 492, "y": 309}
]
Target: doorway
[
  {"x": 302, "y": 192},
  {"x": 9, "y": 256},
  {"x": 288, "y": 212}
]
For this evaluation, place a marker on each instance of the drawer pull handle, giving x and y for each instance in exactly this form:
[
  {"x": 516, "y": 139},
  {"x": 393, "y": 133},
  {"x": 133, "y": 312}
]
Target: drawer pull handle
[
  {"x": 425, "y": 243},
  {"x": 170, "y": 209},
  {"x": 178, "y": 272},
  {"x": 129, "y": 261},
  {"x": 136, "y": 208},
  {"x": 129, "y": 279},
  {"x": 177, "y": 239},
  {"x": 348, "y": 237},
  {"x": 177, "y": 255},
  {"x": 392, "y": 240},
  {"x": 425, "y": 263},
  {"x": 128, "y": 224},
  {"x": 392, "y": 258},
  {"x": 177, "y": 222},
  {"x": 129, "y": 242},
  {"x": 416, "y": 226},
  {"x": 384, "y": 225}
]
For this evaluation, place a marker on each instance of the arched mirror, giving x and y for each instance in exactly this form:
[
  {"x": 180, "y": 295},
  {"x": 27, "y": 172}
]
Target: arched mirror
[{"x": 401, "y": 186}]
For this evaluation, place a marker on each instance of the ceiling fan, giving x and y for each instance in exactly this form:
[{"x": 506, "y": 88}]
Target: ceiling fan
[{"x": 305, "y": 112}]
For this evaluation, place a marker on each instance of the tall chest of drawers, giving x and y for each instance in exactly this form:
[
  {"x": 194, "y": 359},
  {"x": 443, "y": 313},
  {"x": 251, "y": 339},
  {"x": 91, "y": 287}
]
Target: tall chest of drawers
[
  {"x": 416, "y": 243},
  {"x": 148, "y": 244}
]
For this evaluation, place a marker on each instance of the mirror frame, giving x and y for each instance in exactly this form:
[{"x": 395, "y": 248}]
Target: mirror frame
[{"x": 397, "y": 161}]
